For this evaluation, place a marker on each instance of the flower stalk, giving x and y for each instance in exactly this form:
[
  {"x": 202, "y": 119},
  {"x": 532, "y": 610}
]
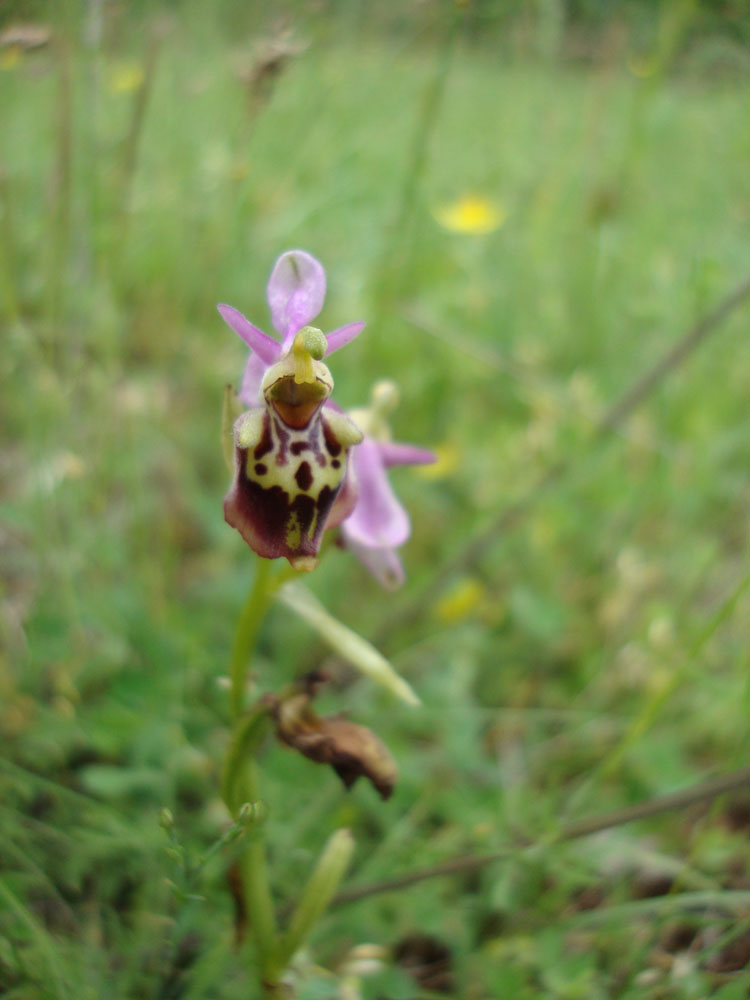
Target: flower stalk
[
  {"x": 241, "y": 780},
  {"x": 251, "y": 617},
  {"x": 257, "y": 886}
]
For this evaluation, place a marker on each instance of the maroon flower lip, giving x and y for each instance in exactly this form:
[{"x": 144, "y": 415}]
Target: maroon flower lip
[
  {"x": 290, "y": 483},
  {"x": 291, "y": 459}
]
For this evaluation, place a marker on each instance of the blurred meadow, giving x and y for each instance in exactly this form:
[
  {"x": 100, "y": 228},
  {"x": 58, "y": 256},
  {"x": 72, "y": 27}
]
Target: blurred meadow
[{"x": 530, "y": 203}]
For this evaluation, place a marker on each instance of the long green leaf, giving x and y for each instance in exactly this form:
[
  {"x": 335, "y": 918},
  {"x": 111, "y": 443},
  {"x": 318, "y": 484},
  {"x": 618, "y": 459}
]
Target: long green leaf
[{"x": 345, "y": 641}]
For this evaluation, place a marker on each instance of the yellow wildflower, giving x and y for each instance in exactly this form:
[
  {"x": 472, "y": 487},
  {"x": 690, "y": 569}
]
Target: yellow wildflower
[
  {"x": 471, "y": 214},
  {"x": 10, "y": 57},
  {"x": 448, "y": 458},
  {"x": 125, "y": 77},
  {"x": 460, "y": 602}
]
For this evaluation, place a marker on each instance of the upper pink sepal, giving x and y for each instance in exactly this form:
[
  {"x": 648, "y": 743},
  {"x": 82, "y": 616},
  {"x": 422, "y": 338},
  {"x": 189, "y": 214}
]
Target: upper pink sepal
[
  {"x": 343, "y": 335},
  {"x": 267, "y": 349},
  {"x": 296, "y": 292}
]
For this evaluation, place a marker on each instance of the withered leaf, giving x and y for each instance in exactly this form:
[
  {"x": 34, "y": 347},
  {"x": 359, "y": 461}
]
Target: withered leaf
[{"x": 352, "y": 751}]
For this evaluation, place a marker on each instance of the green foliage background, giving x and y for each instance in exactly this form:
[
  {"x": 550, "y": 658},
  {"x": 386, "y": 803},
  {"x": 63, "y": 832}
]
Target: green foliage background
[{"x": 595, "y": 655}]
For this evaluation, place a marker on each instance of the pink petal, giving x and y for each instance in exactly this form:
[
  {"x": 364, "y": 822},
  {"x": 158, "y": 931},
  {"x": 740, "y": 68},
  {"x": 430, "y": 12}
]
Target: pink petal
[
  {"x": 264, "y": 346},
  {"x": 344, "y": 334},
  {"x": 404, "y": 454},
  {"x": 378, "y": 520},
  {"x": 345, "y": 501},
  {"x": 296, "y": 291},
  {"x": 255, "y": 369},
  {"x": 384, "y": 564}
]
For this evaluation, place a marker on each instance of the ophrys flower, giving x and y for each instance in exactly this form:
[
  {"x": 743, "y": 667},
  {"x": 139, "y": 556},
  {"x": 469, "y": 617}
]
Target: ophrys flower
[
  {"x": 292, "y": 479},
  {"x": 291, "y": 458}
]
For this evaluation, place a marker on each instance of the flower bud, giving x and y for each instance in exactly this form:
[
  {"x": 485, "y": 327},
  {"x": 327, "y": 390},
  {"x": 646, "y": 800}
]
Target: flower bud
[
  {"x": 319, "y": 891},
  {"x": 166, "y": 819},
  {"x": 251, "y": 813}
]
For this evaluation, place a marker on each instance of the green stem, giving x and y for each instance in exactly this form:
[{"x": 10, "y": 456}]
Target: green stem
[
  {"x": 240, "y": 784},
  {"x": 246, "y": 738},
  {"x": 258, "y": 894},
  {"x": 241, "y": 778},
  {"x": 251, "y": 617}
]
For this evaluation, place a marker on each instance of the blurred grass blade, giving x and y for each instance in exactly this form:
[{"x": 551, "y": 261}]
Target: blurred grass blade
[
  {"x": 132, "y": 141},
  {"x": 61, "y": 181},
  {"x": 39, "y": 935},
  {"x": 8, "y": 253},
  {"x": 730, "y": 901},
  {"x": 347, "y": 643}
]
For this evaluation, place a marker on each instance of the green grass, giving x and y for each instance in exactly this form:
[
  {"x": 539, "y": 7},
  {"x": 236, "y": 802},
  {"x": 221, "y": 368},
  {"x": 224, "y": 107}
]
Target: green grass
[{"x": 602, "y": 659}]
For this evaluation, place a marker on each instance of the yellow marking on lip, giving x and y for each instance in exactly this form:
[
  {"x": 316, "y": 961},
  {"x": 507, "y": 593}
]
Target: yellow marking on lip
[
  {"x": 293, "y": 532},
  {"x": 248, "y": 429}
]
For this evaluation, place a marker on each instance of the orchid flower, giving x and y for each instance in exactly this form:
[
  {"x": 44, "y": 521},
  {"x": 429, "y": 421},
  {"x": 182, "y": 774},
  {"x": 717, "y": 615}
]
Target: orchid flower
[
  {"x": 291, "y": 455},
  {"x": 378, "y": 525},
  {"x": 291, "y": 458},
  {"x": 279, "y": 505}
]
